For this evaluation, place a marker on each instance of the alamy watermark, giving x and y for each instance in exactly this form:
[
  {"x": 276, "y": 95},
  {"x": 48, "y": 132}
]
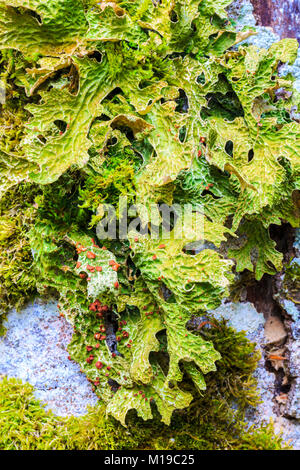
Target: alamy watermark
[{"x": 179, "y": 222}]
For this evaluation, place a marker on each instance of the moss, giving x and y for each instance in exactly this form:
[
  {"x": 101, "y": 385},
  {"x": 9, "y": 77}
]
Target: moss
[
  {"x": 292, "y": 274},
  {"x": 113, "y": 179},
  {"x": 17, "y": 282},
  {"x": 291, "y": 282},
  {"x": 143, "y": 78},
  {"x": 58, "y": 202},
  {"x": 13, "y": 115},
  {"x": 17, "y": 213},
  {"x": 212, "y": 422},
  {"x": 262, "y": 438},
  {"x": 233, "y": 378},
  {"x": 25, "y": 424}
]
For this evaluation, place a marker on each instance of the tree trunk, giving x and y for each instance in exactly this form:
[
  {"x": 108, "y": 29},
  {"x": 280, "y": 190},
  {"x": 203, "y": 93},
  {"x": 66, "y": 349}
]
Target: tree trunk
[{"x": 282, "y": 15}]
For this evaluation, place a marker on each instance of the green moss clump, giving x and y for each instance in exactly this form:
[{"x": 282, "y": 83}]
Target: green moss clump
[
  {"x": 25, "y": 424},
  {"x": 146, "y": 100},
  {"x": 17, "y": 211},
  {"x": 234, "y": 376},
  {"x": 262, "y": 438},
  {"x": 113, "y": 179},
  {"x": 13, "y": 116},
  {"x": 212, "y": 422},
  {"x": 292, "y": 277}
]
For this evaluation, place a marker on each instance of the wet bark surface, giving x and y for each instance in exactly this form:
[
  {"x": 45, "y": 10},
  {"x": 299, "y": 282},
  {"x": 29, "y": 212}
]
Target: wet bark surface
[{"x": 282, "y": 15}]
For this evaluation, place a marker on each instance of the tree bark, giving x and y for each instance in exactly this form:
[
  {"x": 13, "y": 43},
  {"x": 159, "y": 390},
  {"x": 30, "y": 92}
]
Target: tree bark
[{"x": 282, "y": 15}]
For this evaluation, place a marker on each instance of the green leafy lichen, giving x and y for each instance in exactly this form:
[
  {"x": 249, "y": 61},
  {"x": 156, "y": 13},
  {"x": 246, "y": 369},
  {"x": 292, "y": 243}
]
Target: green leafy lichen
[
  {"x": 17, "y": 215},
  {"x": 210, "y": 423}
]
